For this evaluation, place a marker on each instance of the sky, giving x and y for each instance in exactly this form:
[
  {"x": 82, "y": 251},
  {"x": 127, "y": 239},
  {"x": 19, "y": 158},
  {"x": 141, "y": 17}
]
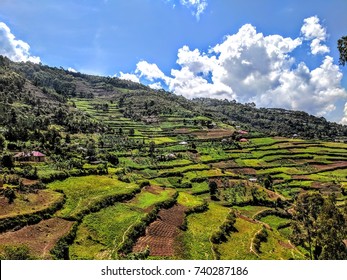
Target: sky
[{"x": 280, "y": 54}]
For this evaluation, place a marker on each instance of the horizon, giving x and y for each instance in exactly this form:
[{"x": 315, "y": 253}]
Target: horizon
[{"x": 278, "y": 55}]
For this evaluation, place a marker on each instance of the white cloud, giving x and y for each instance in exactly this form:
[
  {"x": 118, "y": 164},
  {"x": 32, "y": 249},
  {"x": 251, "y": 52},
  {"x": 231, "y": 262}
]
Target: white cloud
[
  {"x": 70, "y": 69},
  {"x": 156, "y": 85},
  {"x": 313, "y": 31},
  {"x": 16, "y": 50},
  {"x": 129, "y": 77},
  {"x": 344, "y": 119},
  {"x": 251, "y": 67},
  {"x": 198, "y": 6},
  {"x": 149, "y": 71}
]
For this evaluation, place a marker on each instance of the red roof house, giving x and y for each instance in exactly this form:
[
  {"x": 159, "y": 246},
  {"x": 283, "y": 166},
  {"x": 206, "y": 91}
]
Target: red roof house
[
  {"x": 242, "y": 132},
  {"x": 30, "y": 156}
]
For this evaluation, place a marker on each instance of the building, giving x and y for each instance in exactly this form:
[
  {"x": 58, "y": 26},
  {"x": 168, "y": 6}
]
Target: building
[
  {"x": 244, "y": 140},
  {"x": 30, "y": 156}
]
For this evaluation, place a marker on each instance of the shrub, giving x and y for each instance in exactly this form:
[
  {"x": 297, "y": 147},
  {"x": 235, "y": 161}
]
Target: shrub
[{"x": 19, "y": 252}]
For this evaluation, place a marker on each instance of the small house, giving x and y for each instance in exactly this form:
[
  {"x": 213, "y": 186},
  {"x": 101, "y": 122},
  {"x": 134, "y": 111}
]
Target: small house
[
  {"x": 243, "y": 140},
  {"x": 183, "y": 143},
  {"x": 242, "y": 132},
  {"x": 30, "y": 156}
]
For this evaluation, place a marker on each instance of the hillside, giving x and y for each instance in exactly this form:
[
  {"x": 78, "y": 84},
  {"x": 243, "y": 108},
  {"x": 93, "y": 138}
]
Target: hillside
[
  {"x": 27, "y": 88},
  {"x": 101, "y": 168}
]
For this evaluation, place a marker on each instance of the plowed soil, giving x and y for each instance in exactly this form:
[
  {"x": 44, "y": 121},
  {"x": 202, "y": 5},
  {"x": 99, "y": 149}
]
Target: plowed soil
[
  {"x": 40, "y": 238},
  {"x": 161, "y": 235}
]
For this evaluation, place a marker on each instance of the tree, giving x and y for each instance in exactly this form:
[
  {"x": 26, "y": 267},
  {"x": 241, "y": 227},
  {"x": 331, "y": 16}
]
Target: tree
[
  {"x": 332, "y": 230},
  {"x": 131, "y": 132},
  {"x": 2, "y": 142},
  {"x": 7, "y": 161},
  {"x": 213, "y": 190},
  {"x": 342, "y": 47},
  {"x": 151, "y": 148},
  {"x": 307, "y": 208},
  {"x": 10, "y": 195},
  {"x": 268, "y": 183},
  {"x": 319, "y": 226},
  {"x": 113, "y": 159}
]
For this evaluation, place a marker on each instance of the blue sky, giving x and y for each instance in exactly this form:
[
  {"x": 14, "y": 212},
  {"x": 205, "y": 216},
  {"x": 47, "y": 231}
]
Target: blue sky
[{"x": 274, "y": 53}]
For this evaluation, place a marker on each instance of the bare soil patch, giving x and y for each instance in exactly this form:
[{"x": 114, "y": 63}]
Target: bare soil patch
[
  {"x": 225, "y": 164},
  {"x": 182, "y": 130},
  {"x": 246, "y": 171},
  {"x": 332, "y": 166},
  {"x": 326, "y": 187},
  {"x": 40, "y": 238},
  {"x": 161, "y": 235},
  {"x": 212, "y": 133}
]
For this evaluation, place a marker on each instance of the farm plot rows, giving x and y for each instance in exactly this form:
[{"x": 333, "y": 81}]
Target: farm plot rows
[{"x": 118, "y": 219}]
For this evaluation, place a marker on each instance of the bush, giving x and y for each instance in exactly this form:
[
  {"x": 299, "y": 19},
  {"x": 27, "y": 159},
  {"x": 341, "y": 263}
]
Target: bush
[
  {"x": 259, "y": 238},
  {"x": 19, "y": 252}
]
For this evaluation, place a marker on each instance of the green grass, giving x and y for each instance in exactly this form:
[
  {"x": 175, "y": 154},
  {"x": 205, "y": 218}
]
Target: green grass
[
  {"x": 250, "y": 210},
  {"x": 82, "y": 193},
  {"x": 147, "y": 199},
  {"x": 100, "y": 233},
  {"x": 189, "y": 200},
  {"x": 200, "y": 228},
  {"x": 238, "y": 245},
  {"x": 28, "y": 203},
  {"x": 278, "y": 248},
  {"x": 274, "y": 221}
]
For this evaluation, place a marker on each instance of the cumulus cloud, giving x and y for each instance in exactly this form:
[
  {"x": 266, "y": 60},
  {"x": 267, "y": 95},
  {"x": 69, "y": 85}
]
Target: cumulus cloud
[
  {"x": 156, "y": 85},
  {"x": 149, "y": 71},
  {"x": 129, "y": 77},
  {"x": 70, "y": 69},
  {"x": 313, "y": 31},
  {"x": 251, "y": 67},
  {"x": 16, "y": 50},
  {"x": 198, "y": 6}
]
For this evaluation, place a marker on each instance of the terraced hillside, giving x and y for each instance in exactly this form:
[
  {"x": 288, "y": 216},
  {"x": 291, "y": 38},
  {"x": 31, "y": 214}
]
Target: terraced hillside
[
  {"x": 157, "y": 200},
  {"x": 133, "y": 173}
]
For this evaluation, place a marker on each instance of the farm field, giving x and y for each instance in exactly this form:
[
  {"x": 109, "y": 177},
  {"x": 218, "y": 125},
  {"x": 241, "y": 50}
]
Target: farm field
[{"x": 150, "y": 195}]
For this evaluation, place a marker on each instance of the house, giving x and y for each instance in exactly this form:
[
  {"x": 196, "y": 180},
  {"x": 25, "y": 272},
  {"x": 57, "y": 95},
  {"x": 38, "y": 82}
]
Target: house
[
  {"x": 244, "y": 140},
  {"x": 253, "y": 180},
  {"x": 242, "y": 132},
  {"x": 30, "y": 156},
  {"x": 183, "y": 143}
]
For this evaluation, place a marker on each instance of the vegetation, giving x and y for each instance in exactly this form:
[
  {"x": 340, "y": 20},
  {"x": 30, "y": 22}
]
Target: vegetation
[
  {"x": 342, "y": 47},
  {"x": 120, "y": 160}
]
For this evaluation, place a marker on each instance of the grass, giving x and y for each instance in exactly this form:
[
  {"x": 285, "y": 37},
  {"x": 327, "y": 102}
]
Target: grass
[
  {"x": 238, "y": 245},
  {"x": 274, "y": 221},
  {"x": 250, "y": 210},
  {"x": 189, "y": 200},
  {"x": 100, "y": 234},
  {"x": 27, "y": 203},
  {"x": 200, "y": 228},
  {"x": 84, "y": 192}
]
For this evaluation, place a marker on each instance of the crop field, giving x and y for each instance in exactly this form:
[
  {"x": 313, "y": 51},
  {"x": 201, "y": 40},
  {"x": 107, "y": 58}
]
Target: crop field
[
  {"x": 156, "y": 200},
  {"x": 83, "y": 193}
]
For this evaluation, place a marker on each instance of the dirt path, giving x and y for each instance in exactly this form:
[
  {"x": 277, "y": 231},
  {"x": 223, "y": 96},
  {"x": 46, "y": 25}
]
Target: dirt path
[{"x": 161, "y": 235}]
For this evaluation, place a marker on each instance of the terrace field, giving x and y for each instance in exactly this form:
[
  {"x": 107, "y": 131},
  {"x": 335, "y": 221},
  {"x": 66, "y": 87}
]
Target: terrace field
[{"x": 155, "y": 201}]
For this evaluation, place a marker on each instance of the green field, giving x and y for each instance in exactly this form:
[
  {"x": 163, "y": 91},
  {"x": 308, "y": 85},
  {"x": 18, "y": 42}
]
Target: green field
[{"x": 82, "y": 193}]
